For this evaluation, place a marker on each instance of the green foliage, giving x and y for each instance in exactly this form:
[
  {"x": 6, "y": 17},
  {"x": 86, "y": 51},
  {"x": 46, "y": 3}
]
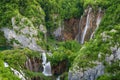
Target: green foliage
[
  {"x": 64, "y": 51},
  {"x": 37, "y": 74},
  {"x": 110, "y": 26},
  {"x": 114, "y": 69},
  {"x": 74, "y": 46},
  {"x": 97, "y": 3},
  {"x": 5, "y": 47},
  {"x": 5, "y": 73},
  {"x": 16, "y": 58},
  {"x": 109, "y": 77},
  {"x": 111, "y": 16},
  {"x": 29, "y": 9},
  {"x": 64, "y": 76},
  {"x": 2, "y": 39},
  {"x": 51, "y": 9},
  {"x": 58, "y": 56},
  {"x": 104, "y": 77},
  {"x": 32, "y": 10},
  {"x": 70, "y": 8},
  {"x": 8, "y": 9},
  {"x": 56, "y": 11}
]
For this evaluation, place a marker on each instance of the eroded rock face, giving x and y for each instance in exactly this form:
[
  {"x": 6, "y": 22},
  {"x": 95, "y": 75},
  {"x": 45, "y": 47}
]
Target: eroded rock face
[
  {"x": 89, "y": 23},
  {"x": 81, "y": 29},
  {"x": 89, "y": 74},
  {"x": 70, "y": 29},
  {"x": 98, "y": 70},
  {"x": 23, "y": 33},
  {"x": 34, "y": 64}
]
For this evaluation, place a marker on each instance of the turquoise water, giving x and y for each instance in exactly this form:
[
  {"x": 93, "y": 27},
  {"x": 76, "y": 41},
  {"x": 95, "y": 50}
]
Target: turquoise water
[{"x": 5, "y": 48}]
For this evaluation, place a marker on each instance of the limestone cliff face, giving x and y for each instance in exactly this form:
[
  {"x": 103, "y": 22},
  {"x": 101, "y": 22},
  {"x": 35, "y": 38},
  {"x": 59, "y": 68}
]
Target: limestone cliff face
[
  {"x": 99, "y": 69},
  {"x": 81, "y": 29},
  {"x": 23, "y": 33}
]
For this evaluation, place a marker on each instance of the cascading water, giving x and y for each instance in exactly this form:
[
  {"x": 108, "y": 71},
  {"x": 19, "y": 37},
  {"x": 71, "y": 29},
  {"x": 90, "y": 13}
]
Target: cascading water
[
  {"x": 44, "y": 58},
  {"x": 46, "y": 66},
  {"x": 86, "y": 27},
  {"x": 58, "y": 78},
  {"x": 58, "y": 33},
  {"x": 6, "y": 64},
  {"x": 97, "y": 22},
  {"x": 30, "y": 65},
  {"x": 20, "y": 74}
]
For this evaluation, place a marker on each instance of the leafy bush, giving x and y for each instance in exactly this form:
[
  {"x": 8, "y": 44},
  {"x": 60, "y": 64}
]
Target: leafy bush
[
  {"x": 104, "y": 77},
  {"x": 64, "y": 51},
  {"x": 5, "y": 73}
]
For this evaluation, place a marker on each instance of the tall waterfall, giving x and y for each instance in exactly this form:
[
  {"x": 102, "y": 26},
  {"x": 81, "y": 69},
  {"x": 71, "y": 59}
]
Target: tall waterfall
[
  {"x": 46, "y": 66},
  {"x": 97, "y": 22},
  {"x": 86, "y": 27}
]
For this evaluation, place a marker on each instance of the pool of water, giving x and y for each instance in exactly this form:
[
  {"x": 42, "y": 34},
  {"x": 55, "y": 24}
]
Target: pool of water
[{"x": 5, "y": 48}]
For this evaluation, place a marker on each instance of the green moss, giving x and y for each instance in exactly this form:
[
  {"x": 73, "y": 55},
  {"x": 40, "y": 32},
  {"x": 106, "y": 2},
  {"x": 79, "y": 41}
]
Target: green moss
[
  {"x": 2, "y": 39},
  {"x": 110, "y": 26},
  {"x": 5, "y": 73},
  {"x": 8, "y": 9},
  {"x": 33, "y": 11},
  {"x": 64, "y": 76},
  {"x": 64, "y": 51},
  {"x": 104, "y": 77},
  {"x": 37, "y": 74},
  {"x": 16, "y": 58}
]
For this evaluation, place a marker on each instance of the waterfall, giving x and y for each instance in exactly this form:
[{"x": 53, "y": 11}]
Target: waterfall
[
  {"x": 6, "y": 64},
  {"x": 44, "y": 58},
  {"x": 19, "y": 74},
  {"x": 77, "y": 38},
  {"x": 87, "y": 25},
  {"x": 58, "y": 78},
  {"x": 57, "y": 32},
  {"x": 46, "y": 66},
  {"x": 97, "y": 23},
  {"x": 30, "y": 64}
]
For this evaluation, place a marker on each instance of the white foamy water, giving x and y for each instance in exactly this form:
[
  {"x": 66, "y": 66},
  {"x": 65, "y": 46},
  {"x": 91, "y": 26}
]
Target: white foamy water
[
  {"x": 46, "y": 66},
  {"x": 6, "y": 64},
  {"x": 87, "y": 25},
  {"x": 58, "y": 78},
  {"x": 97, "y": 23},
  {"x": 19, "y": 74}
]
